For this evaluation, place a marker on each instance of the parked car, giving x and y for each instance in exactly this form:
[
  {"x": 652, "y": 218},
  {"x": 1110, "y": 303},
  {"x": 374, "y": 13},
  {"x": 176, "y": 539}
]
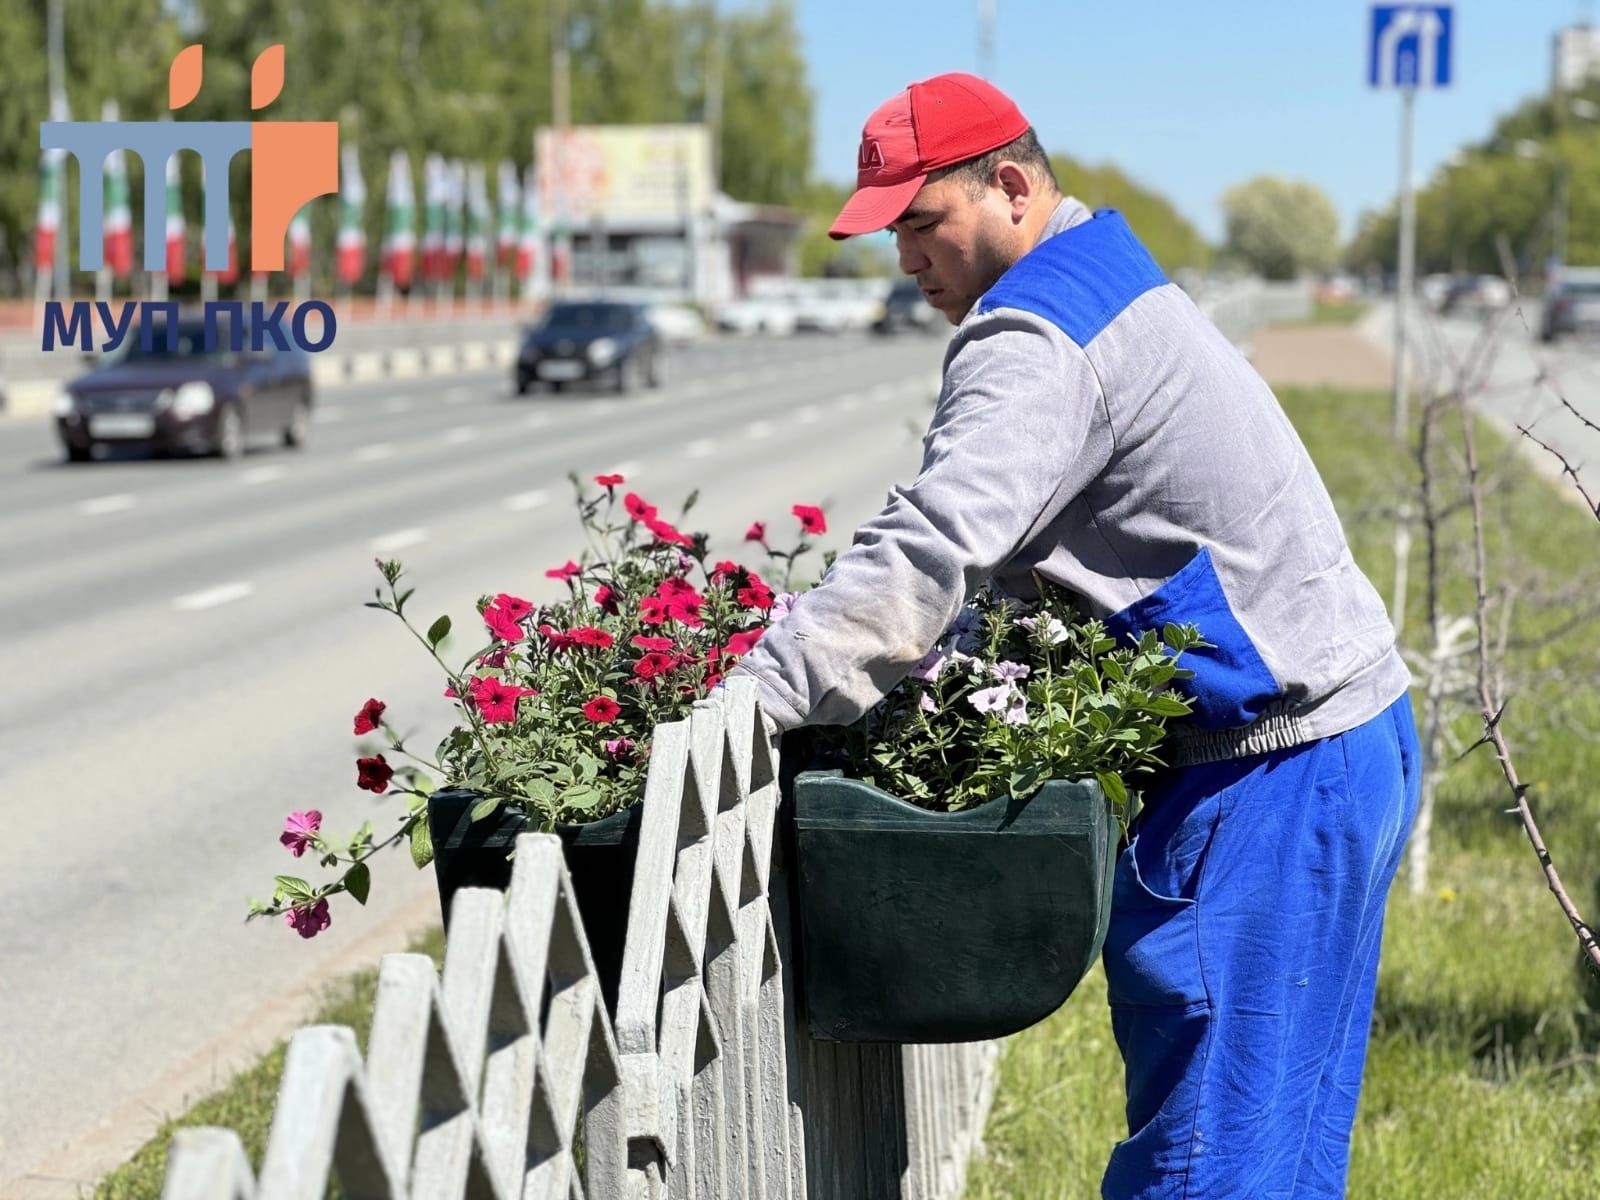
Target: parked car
[
  {"x": 186, "y": 397},
  {"x": 1571, "y": 303},
  {"x": 1475, "y": 295},
  {"x": 905, "y": 307},
  {"x": 585, "y": 340},
  {"x": 676, "y": 322},
  {"x": 758, "y": 314}
]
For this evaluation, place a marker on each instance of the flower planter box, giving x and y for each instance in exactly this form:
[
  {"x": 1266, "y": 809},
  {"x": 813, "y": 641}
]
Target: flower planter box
[
  {"x": 918, "y": 926},
  {"x": 600, "y": 859}
]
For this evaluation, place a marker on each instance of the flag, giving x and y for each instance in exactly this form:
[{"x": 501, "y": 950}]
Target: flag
[
  {"x": 528, "y": 233},
  {"x": 300, "y": 244},
  {"x": 477, "y": 220},
  {"x": 117, "y": 223},
  {"x": 177, "y": 231},
  {"x": 455, "y": 202},
  {"x": 230, "y": 275},
  {"x": 52, "y": 172},
  {"x": 434, "y": 195},
  {"x": 509, "y": 195},
  {"x": 352, "y": 232},
  {"x": 400, "y": 235}
]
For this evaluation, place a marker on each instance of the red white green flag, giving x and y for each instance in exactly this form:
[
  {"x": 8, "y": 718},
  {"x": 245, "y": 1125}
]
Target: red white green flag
[
  {"x": 400, "y": 227},
  {"x": 177, "y": 230},
  {"x": 454, "y": 214},
  {"x": 508, "y": 193},
  {"x": 436, "y": 194},
  {"x": 352, "y": 243},
  {"x": 117, "y": 223},
  {"x": 52, "y": 173},
  {"x": 528, "y": 232},
  {"x": 478, "y": 216},
  {"x": 300, "y": 244}
]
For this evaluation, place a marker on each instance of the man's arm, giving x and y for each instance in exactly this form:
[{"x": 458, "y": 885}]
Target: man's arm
[{"x": 1020, "y": 430}]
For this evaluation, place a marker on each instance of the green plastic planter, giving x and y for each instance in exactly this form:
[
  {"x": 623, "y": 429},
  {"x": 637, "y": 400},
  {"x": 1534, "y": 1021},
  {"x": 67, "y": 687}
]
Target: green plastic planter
[
  {"x": 918, "y": 926},
  {"x": 600, "y": 860}
]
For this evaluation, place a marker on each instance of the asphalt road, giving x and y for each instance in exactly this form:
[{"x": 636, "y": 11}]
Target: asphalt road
[{"x": 184, "y": 647}]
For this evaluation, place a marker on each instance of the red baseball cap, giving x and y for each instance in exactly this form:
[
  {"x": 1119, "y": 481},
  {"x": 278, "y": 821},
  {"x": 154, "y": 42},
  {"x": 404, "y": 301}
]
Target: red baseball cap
[{"x": 932, "y": 124}]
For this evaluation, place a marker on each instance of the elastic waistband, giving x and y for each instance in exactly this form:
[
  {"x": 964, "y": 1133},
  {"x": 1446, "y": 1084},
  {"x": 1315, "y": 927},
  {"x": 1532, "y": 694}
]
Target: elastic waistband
[{"x": 1275, "y": 731}]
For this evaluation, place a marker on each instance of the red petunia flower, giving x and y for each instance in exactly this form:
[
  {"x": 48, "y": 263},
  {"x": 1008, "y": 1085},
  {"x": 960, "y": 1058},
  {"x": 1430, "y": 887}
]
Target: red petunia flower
[
  {"x": 811, "y": 519},
  {"x": 602, "y": 710},
  {"x": 557, "y": 639},
  {"x": 608, "y": 481},
  {"x": 502, "y": 624},
  {"x": 373, "y": 774},
  {"x": 654, "y": 665},
  {"x": 570, "y": 571},
  {"x": 497, "y": 700},
  {"x": 666, "y": 532},
  {"x": 758, "y": 595},
  {"x": 757, "y": 533},
  {"x": 725, "y": 570},
  {"x": 659, "y": 645},
  {"x": 606, "y": 598},
  {"x": 638, "y": 509},
  {"x": 743, "y": 643},
  {"x": 513, "y": 606},
  {"x": 496, "y": 658},
  {"x": 590, "y": 635},
  {"x": 653, "y": 610},
  {"x": 370, "y": 716}
]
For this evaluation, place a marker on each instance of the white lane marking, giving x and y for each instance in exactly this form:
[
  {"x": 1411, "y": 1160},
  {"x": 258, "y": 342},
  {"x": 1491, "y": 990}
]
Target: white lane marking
[
  {"x": 399, "y": 404},
  {"x": 224, "y": 593},
  {"x": 757, "y": 430},
  {"x": 808, "y": 415},
  {"x": 848, "y": 404},
  {"x": 460, "y": 434},
  {"x": 603, "y": 408},
  {"x": 537, "y": 421},
  {"x": 101, "y": 505},
  {"x": 884, "y": 391},
  {"x": 400, "y": 539},
  {"x": 262, "y": 475},
  {"x": 375, "y": 452},
  {"x": 457, "y": 396},
  {"x": 525, "y": 501},
  {"x": 626, "y": 469},
  {"x": 701, "y": 448},
  {"x": 326, "y": 416}
]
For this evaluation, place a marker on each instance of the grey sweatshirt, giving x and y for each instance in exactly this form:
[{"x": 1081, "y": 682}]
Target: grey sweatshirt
[{"x": 1095, "y": 427}]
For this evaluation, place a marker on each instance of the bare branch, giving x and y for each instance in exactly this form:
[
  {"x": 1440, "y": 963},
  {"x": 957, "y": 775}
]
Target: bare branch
[{"x": 1566, "y": 467}]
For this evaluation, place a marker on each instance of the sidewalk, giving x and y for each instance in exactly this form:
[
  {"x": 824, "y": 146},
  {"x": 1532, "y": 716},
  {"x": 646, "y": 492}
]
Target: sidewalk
[{"x": 1336, "y": 356}]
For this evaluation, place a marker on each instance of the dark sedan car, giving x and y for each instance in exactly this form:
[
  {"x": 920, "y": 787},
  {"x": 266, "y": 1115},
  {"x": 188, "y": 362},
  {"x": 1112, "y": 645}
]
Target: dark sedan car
[
  {"x": 906, "y": 307},
  {"x": 186, "y": 398},
  {"x": 1571, "y": 304},
  {"x": 603, "y": 340}
]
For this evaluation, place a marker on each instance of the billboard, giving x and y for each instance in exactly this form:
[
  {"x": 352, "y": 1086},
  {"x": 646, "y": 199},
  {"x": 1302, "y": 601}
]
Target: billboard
[{"x": 618, "y": 172}]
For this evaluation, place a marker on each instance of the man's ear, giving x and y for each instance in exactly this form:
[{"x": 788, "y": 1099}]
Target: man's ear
[{"x": 1018, "y": 187}]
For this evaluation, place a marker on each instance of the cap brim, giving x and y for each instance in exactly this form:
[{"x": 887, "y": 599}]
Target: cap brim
[{"x": 873, "y": 208}]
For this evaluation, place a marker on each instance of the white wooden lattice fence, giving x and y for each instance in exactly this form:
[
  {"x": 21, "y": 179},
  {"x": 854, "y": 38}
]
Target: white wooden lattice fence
[{"x": 505, "y": 1077}]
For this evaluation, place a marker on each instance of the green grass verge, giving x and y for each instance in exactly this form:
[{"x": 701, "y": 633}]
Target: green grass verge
[
  {"x": 245, "y": 1105},
  {"x": 1337, "y": 312},
  {"x": 1482, "y": 1080}
]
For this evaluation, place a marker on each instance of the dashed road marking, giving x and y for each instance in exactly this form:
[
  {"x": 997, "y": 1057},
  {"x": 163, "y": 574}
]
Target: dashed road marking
[
  {"x": 375, "y": 452},
  {"x": 102, "y": 505},
  {"x": 700, "y": 448},
  {"x": 327, "y": 416},
  {"x": 809, "y": 415},
  {"x": 757, "y": 430},
  {"x": 400, "y": 539},
  {"x": 224, "y": 593},
  {"x": 460, "y": 435},
  {"x": 398, "y": 404},
  {"x": 525, "y": 501},
  {"x": 258, "y": 475},
  {"x": 536, "y": 421}
]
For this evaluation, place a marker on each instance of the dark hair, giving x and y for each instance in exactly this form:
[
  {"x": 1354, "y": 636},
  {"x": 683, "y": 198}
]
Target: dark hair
[{"x": 1025, "y": 151}]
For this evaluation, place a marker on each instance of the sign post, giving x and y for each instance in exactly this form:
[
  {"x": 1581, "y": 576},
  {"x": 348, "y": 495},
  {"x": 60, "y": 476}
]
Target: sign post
[{"x": 1409, "y": 48}]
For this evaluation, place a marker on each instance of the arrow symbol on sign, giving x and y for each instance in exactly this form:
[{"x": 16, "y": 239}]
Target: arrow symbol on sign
[{"x": 1425, "y": 23}]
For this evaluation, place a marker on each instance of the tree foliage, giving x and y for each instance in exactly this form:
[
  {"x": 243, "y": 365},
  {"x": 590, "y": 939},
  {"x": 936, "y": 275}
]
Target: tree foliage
[
  {"x": 1280, "y": 228},
  {"x": 1169, "y": 237}
]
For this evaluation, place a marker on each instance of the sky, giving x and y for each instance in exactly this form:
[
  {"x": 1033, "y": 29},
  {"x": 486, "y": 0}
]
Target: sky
[{"x": 1187, "y": 96}]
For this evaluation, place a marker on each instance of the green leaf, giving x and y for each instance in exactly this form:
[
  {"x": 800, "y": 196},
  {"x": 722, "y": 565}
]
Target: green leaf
[
  {"x": 439, "y": 630},
  {"x": 1027, "y": 780},
  {"x": 582, "y": 797},
  {"x": 1111, "y": 785},
  {"x": 358, "y": 881},
  {"x": 1168, "y": 706},
  {"x": 484, "y": 807},
  {"x": 421, "y": 844},
  {"x": 288, "y": 885}
]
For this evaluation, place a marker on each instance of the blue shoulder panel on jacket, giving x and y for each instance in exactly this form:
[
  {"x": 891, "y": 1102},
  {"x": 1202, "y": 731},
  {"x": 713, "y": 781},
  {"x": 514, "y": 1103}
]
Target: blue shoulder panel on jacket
[{"x": 1080, "y": 279}]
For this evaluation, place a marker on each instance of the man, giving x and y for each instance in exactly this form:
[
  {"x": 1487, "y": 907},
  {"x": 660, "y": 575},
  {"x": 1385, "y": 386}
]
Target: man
[{"x": 1094, "y": 427}]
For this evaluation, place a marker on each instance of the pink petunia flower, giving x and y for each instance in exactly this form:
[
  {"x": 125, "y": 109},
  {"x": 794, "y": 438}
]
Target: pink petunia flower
[
  {"x": 569, "y": 570},
  {"x": 926, "y": 704},
  {"x": 300, "y": 831},
  {"x": 1008, "y": 672},
  {"x": 309, "y": 920}
]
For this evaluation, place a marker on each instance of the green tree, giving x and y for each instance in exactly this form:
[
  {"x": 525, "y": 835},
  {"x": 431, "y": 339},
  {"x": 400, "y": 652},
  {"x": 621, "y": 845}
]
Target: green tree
[
  {"x": 1280, "y": 228},
  {"x": 1170, "y": 238}
]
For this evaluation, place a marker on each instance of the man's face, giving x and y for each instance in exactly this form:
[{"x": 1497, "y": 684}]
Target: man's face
[{"x": 957, "y": 244}]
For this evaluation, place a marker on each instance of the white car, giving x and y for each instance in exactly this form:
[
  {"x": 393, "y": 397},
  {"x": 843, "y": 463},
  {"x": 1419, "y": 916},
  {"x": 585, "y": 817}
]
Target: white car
[
  {"x": 676, "y": 322},
  {"x": 764, "y": 314}
]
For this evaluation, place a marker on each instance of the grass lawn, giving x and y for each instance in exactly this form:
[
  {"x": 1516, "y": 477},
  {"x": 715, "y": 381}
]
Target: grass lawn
[
  {"x": 245, "y": 1105},
  {"x": 1482, "y": 1080},
  {"x": 1338, "y": 312}
]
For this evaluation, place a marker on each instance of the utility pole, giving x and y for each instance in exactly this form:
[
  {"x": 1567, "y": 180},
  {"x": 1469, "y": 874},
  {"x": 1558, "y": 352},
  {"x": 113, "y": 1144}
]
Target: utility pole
[
  {"x": 1407, "y": 263},
  {"x": 986, "y": 21},
  {"x": 561, "y": 118}
]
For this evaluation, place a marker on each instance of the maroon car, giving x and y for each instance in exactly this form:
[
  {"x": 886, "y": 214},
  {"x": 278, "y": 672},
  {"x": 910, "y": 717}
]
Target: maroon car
[{"x": 186, "y": 398}]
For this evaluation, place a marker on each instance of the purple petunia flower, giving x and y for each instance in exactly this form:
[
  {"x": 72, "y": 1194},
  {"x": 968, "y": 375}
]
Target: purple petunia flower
[
  {"x": 1055, "y": 631},
  {"x": 1009, "y": 672},
  {"x": 992, "y": 700},
  {"x": 928, "y": 669}
]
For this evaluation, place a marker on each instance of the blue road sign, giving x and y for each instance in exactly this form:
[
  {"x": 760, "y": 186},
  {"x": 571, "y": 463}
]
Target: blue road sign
[{"x": 1410, "y": 46}]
